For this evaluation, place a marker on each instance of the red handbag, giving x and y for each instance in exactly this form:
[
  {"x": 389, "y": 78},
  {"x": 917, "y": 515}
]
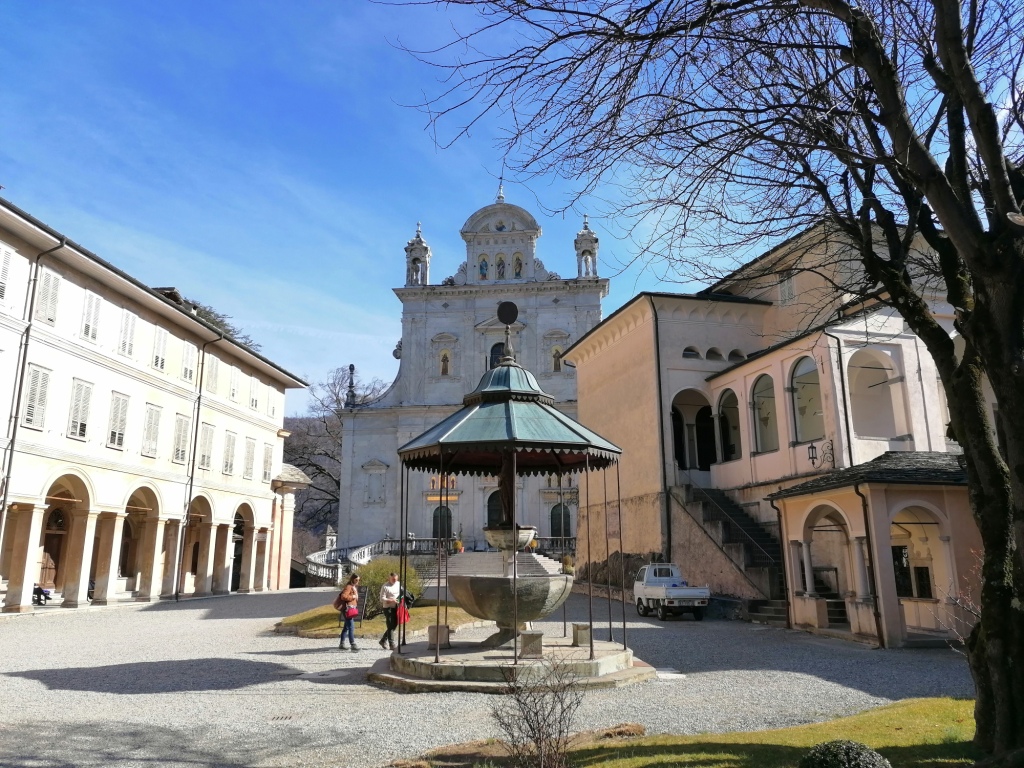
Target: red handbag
[
  {"x": 351, "y": 612},
  {"x": 403, "y": 613}
]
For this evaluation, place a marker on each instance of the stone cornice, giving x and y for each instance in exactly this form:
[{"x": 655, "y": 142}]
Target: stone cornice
[
  {"x": 576, "y": 285},
  {"x": 610, "y": 331}
]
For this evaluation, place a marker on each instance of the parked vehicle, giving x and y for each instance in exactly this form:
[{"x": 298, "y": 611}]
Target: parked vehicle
[{"x": 660, "y": 587}]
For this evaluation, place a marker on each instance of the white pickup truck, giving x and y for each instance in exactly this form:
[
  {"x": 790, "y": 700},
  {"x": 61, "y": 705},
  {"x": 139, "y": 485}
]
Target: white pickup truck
[{"x": 659, "y": 587}]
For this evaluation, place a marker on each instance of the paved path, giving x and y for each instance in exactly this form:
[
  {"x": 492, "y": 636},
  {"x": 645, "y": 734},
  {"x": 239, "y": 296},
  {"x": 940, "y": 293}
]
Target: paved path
[{"x": 205, "y": 683}]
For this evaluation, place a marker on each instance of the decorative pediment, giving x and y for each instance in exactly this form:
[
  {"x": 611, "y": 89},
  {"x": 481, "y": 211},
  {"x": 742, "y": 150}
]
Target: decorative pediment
[
  {"x": 556, "y": 335},
  {"x": 445, "y": 339},
  {"x": 494, "y": 324},
  {"x": 500, "y": 218},
  {"x": 375, "y": 465}
]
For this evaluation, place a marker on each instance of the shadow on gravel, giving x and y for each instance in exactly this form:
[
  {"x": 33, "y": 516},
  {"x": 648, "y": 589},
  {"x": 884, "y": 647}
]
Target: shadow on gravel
[
  {"x": 89, "y": 745},
  {"x": 145, "y": 677},
  {"x": 254, "y": 605}
]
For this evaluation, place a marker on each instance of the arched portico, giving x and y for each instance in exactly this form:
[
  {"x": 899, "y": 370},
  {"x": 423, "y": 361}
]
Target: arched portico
[
  {"x": 198, "y": 551},
  {"x": 243, "y": 540},
  {"x": 923, "y": 569},
  {"x": 693, "y": 432}
]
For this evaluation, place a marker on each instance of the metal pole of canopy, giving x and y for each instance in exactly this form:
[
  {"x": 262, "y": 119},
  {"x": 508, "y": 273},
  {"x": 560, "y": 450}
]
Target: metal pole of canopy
[
  {"x": 561, "y": 530},
  {"x": 437, "y": 580},
  {"x": 403, "y": 534},
  {"x": 590, "y": 566},
  {"x": 607, "y": 551},
  {"x": 622, "y": 551},
  {"x": 515, "y": 566}
]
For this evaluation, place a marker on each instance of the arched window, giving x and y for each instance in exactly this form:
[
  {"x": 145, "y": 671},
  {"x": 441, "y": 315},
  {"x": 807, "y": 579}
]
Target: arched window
[
  {"x": 446, "y": 362},
  {"x": 735, "y": 356},
  {"x": 691, "y": 353},
  {"x": 560, "y": 525},
  {"x": 808, "y": 416},
  {"x": 729, "y": 425},
  {"x": 494, "y": 510},
  {"x": 714, "y": 354},
  {"x": 766, "y": 426},
  {"x": 497, "y": 352},
  {"x": 679, "y": 438},
  {"x": 442, "y": 523},
  {"x": 556, "y": 360},
  {"x": 875, "y": 390}
]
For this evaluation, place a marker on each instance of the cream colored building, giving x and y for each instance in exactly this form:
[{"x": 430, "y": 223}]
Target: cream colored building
[
  {"x": 786, "y": 446},
  {"x": 142, "y": 450}
]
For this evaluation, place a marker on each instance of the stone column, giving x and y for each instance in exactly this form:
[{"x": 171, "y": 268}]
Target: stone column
[
  {"x": 247, "y": 579},
  {"x": 808, "y": 569},
  {"x": 282, "y": 567},
  {"x": 27, "y": 525},
  {"x": 172, "y": 560},
  {"x": 222, "y": 561},
  {"x": 152, "y": 560},
  {"x": 261, "y": 560},
  {"x": 860, "y": 568},
  {"x": 204, "y": 572},
  {"x": 110, "y": 526},
  {"x": 81, "y": 535}
]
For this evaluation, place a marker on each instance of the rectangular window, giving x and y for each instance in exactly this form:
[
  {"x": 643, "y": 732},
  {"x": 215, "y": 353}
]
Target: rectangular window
[
  {"x": 206, "y": 446},
  {"x": 923, "y": 581},
  {"x": 90, "y": 316},
  {"x": 81, "y": 394},
  {"x": 188, "y": 362},
  {"x": 159, "y": 348},
  {"x": 229, "y": 453},
  {"x": 126, "y": 341},
  {"x": 5, "y": 269},
  {"x": 151, "y": 433},
  {"x": 182, "y": 426},
  {"x": 901, "y": 570},
  {"x": 250, "y": 458},
  {"x": 233, "y": 385},
  {"x": 212, "y": 373},
  {"x": 787, "y": 289},
  {"x": 254, "y": 393},
  {"x": 35, "y": 400},
  {"x": 268, "y": 458},
  {"x": 271, "y": 402},
  {"x": 46, "y": 299},
  {"x": 118, "y": 420}
]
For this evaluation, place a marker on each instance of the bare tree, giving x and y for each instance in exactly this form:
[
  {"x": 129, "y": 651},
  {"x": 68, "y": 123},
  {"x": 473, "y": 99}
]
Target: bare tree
[
  {"x": 738, "y": 122},
  {"x": 314, "y": 445}
]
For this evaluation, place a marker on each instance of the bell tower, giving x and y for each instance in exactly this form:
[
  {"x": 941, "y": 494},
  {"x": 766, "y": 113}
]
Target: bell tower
[
  {"x": 586, "y": 251},
  {"x": 417, "y": 260}
]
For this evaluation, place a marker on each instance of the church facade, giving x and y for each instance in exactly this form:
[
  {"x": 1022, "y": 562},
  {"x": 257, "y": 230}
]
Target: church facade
[{"x": 450, "y": 337}]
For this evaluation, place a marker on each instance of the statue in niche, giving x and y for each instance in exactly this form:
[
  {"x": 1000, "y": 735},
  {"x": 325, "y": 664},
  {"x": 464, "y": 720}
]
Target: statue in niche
[
  {"x": 501, "y": 269},
  {"x": 556, "y": 361},
  {"x": 518, "y": 273},
  {"x": 484, "y": 267},
  {"x": 444, "y": 364}
]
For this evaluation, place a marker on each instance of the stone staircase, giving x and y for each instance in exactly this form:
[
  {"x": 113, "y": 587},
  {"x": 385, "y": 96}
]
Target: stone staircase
[{"x": 752, "y": 548}]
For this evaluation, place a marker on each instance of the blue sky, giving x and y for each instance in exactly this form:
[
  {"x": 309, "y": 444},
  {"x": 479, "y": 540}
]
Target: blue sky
[{"x": 258, "y": 156}]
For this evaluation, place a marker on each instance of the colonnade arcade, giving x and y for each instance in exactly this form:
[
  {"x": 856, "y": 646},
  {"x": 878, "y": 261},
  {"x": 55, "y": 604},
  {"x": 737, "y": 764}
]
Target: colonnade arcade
[
  {"x": 764, "y": 415},
  {"x": 81, "y": 552}
]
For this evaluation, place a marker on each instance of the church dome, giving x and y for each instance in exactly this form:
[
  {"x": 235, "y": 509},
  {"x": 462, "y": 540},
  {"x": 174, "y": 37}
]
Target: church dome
[{"x": 500, "y": 218}]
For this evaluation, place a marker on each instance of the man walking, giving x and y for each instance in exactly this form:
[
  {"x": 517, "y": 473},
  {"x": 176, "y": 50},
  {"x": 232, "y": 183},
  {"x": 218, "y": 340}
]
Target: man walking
[{"x": 389, "y": 594}]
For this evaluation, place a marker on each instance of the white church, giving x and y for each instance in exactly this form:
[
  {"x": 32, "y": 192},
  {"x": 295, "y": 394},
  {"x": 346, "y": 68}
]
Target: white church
[{"x": 450, "y": 337}]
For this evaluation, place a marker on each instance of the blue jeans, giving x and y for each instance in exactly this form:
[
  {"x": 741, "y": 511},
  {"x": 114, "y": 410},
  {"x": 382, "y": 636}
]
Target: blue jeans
[{"x": 348, "y": 628}]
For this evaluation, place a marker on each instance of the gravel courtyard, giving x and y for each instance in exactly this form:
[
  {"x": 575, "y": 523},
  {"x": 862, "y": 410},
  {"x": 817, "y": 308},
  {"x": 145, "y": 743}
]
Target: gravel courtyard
[{"x": 206, "y": 683}]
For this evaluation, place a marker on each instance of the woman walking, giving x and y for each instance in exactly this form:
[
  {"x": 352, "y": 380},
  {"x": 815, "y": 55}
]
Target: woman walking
[{"x": 349, "y": 607}]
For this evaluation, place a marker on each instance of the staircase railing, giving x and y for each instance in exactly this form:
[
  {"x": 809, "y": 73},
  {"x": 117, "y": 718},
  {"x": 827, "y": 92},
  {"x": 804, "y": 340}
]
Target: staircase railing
[
  {"x": 556, "y": 546},
  {"x": 759, "y": 558}
]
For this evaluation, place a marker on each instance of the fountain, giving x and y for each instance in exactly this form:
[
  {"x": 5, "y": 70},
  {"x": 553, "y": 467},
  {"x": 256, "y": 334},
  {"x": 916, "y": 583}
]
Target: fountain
[{"x": 508, "y": 426}]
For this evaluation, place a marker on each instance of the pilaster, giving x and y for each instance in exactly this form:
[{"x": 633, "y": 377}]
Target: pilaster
[
  {"x": 81, "y": 537},
  {"x": 152, "y": 560},
  {"x": 27, "y": 525},
  {"x": 110, "y": 526}
]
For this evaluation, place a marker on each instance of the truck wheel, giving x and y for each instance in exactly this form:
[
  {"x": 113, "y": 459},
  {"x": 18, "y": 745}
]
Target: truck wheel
[
  {"x": 698, "y": 614},
  {"x": 662, "y": 613},
  {"x": 641, "y": 608}
]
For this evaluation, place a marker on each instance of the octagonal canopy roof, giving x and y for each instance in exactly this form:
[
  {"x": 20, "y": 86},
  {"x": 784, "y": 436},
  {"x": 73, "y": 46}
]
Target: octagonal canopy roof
[{"x": 508, "y": 411}]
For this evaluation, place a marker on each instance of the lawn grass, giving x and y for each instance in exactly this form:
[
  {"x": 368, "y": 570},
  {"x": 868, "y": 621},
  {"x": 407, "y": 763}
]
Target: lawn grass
[
  {"x": 916, "y": 733},
  {"x": 322, "y": 621}
]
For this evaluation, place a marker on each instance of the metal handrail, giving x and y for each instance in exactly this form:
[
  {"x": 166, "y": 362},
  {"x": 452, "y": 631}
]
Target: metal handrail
[{"x": 735, "y": 525}]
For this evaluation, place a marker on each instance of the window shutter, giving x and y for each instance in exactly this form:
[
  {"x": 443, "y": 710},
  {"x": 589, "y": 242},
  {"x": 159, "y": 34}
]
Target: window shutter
[
  {"x": 5, "y": 268},
  {"x": 35, "y": 403},
  {"x": 126, "y": 344},
  {"x": 46, "y": 300},
  {"x": 254, "y": 393},
  {"x": 81, "y": 394},
  {"x": 181, "y": 429},
  {"x": 152, "y": 430},
  {"x": 268, "y": 457},
  {"x": 212, "y": 373},
  {"x": 160, "y": 348},
  {"x": 91, "y": 316},
  {"x": 188, "y": 362},
  {"x": 206, "y": 447},
  {"x": 233, "y": 390},
  {"x": 118, "y": 420},
  {"x": 229, "y": 453},
  {"x": 250, "y": 458}
]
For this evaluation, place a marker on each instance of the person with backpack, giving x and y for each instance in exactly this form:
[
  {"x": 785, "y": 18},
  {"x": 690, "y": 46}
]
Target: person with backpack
[{"x": 347, "y": 602}]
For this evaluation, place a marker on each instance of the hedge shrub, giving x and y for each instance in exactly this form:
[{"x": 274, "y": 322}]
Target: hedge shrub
[
  {"x": 843, "y": 754},
  {"x": 374, "y": 575}
]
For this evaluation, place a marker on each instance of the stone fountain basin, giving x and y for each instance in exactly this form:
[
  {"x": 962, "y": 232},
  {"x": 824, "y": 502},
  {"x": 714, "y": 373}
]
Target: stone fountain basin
[
  {"x": 505, "y": 539},
  {"x": 490, "y": 597}
]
